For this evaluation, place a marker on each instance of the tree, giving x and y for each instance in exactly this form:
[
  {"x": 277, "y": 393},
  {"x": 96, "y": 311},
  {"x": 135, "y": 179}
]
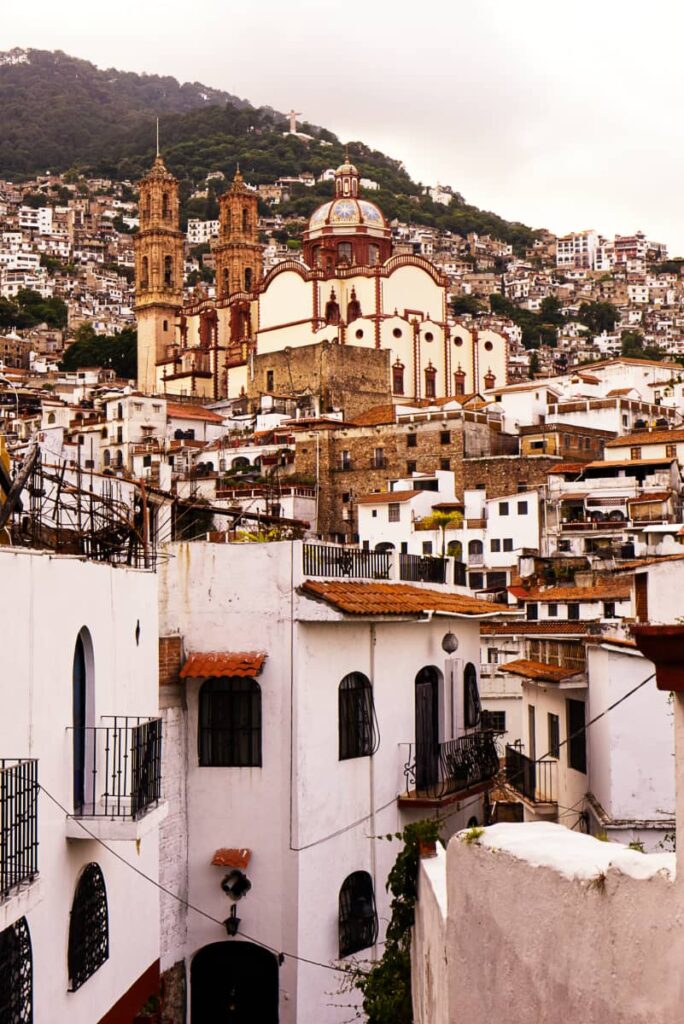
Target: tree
[
  {"x": 441, "y": 521},
  {"x": 550, "y": 311},
  {"x": 465, "y": 305},
  {"x": 634, "y": 347},
  {"x": 598, "y": 316},
  {"x": 534, "y": 365},
  {"x": 117, "y": 352}
]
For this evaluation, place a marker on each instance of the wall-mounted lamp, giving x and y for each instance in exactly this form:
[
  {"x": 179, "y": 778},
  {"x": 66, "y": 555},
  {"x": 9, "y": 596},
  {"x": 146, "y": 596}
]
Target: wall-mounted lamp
[
  {"x": 232, "y": 923},
  {"x": 236, "y": 884},
  {"x": 450, "y": 643}
]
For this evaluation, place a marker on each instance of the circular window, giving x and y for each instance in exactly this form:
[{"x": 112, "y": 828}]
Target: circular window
[
  {"x": 488, "y": 346},
  {"x": 458, "y": 341},
  {"x": 429, "y": 336},
  {"x": 359, "y": 334},
  {"x": 397, "y": 332}
]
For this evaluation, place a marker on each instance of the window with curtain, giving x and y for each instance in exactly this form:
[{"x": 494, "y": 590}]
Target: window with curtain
[{"x": 230, "y": 723}]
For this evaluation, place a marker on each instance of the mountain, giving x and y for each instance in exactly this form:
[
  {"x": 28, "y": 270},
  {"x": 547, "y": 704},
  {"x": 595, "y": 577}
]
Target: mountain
[{"x": 58, "y": 112}]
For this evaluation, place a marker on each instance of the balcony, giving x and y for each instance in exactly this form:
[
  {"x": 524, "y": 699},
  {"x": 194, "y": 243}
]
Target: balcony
[
  {"x": 117, "y": 779},
  {"x": 18, "y": 823},
  {"x": 422, "y": 569},
  {"x": 456, "y": 768},
  {"x": 333, "y": 560},
  {"x": 533, "y": 780}
]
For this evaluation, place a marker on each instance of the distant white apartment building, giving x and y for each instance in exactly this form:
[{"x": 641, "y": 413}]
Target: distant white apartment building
[
  {"x": 200, "y": 231},
  {"x": 36, "y": 220},
  {"x": 577, "y": 250}
]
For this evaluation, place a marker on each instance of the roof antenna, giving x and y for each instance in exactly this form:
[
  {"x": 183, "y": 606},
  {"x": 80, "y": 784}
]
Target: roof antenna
[{"x": 158, "y": 137}]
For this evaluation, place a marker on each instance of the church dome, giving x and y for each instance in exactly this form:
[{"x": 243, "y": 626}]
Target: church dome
[{"x": 348, "y": 213}]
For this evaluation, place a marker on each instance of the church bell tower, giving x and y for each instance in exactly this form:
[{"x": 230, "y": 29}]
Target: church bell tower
[
  {"x": 158, "y": 271},
  {"x": 238, "y": 254}
]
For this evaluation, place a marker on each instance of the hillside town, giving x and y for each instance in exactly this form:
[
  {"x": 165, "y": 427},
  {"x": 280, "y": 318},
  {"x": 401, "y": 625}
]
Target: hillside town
[{"x": 342, "y": 567}]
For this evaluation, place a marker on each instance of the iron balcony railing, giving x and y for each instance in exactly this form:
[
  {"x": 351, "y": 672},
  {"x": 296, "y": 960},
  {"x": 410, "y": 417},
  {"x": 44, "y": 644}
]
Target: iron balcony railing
[
  {"x": 422, "y": 568},
  {"x": 535, "y": 780},
  {"x": 117, "y": 767},
  {"x": 351, "y": 563},
  {"x": 18, "y": 823},
  {"x": 452, "y": 766}
]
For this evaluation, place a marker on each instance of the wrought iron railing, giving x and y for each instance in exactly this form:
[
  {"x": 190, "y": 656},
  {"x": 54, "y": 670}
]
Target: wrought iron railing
[
  {"x": 351, "y": 563},
  {"x": 120, "y": 770},
  {"x": 455, "y": 765},
  {"x": 535, "y": 780},
  {"x": 18, "y": 823},
  {"x": 422, "y": 568}
]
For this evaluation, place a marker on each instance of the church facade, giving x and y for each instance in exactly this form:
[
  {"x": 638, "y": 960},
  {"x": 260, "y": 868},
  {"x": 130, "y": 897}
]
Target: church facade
[{"x": 350, "y": 289}]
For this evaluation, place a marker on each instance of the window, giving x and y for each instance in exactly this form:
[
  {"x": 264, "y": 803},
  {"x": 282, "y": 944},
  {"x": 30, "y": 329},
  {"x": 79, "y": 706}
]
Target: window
[
  {"x": 577, "y": 737},
  {"x": 88, "y": 927},
  {"x": 373, "y": 255},
  {"x": 248, "y": 279},
  {"x": 503, "y": 508},
  {"x": 230, "y": 723},
  {"x": 635, "y": 453},
  {"x": 492, "y": 655},
  {"x": 374, "y": 513},
  {"x": 358, "y": 919},
  {"x": 345, "y": 460},
  {"x": 168, "y": 272},
  {"x": 445, "y": 464},
  {"x": 427, "y": 547},
  {"x": 411, "y": 440},
  {"x": 508, "y": 544},
  {"x": 430, "y": 382},
  {"x": 553, "y": 610},
  {"x": 554, "y": 735},
  {"x": 532, "y": 611},
  {"x": 397, "y": 377},
  {"x": 609, "y": 609},
  {"x": 379, "y": 458},
  {"x": 393, "y": 512},
  {"x": 522, "y": 508},
  {"x": 16, "y": 971},
  {"x": 495, "y": 545},
  {"x": 573, "y": 611},
  {"x": 671, "y": 451},
  {"x": 494, "y": 720},
  {"x": 471, "y": 697},
  {"x": 445, "y": 437},
  {"x": 346, "y": 497},
  {"x": 270, "y": 375},
  {"x": 476, "y": 580},
  {"x": 522, "y": 486},
  {"x": 411, "y": 467},
  {"x": 357, "y": 727},
  {"x": 344, "y": 252}
]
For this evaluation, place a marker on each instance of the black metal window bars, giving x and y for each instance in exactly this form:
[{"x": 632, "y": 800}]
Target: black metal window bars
[
  {"x": 18, "y": 823},
  {"x": 16, "y": 974},
  {"x": 358, "y": 919}
]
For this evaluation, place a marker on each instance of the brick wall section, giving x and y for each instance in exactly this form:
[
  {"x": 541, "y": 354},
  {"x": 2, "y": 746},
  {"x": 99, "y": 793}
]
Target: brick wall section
[
  {"x": 342, "y": 376},
  {"x": 469, "y": 434},
  {"x": 170, "y": 656},
  {"x": 505, "y": 473}
]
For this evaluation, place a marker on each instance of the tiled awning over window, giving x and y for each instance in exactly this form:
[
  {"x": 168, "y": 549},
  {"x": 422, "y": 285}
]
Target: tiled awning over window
[{"x": 214, "y": 664}]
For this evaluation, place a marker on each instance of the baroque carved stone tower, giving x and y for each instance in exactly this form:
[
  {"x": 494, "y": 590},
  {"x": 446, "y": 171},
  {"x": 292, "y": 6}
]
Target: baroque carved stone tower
[
  {"x": 238, "y": 254},
  {"x": 158, "y": 271}
]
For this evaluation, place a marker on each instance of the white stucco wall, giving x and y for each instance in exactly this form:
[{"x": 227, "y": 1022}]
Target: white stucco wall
[{"x": 45, "y": 601}]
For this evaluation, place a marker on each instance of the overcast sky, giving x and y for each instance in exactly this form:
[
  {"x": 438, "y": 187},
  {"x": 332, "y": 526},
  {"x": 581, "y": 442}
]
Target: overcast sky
[{"x": 564, "y": 116}]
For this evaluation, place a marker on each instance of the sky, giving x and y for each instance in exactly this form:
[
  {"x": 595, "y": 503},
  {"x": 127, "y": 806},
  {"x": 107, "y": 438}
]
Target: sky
[{"x": 564, "y": 116}]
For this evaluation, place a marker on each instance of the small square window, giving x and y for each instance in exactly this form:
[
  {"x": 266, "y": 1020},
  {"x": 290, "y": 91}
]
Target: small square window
[
  {"x": 609, "y": 609},
  {"x": 445, "y": 437},
  {"x": 411, "y": 440},
  {"x": 671, "y": 451},
  {"x": 476, "y": 580},
  {"x": 503, "y": 508},
  {"x": 522, "y": 508},
  {"x": 508, "y": 544},
  {"x": 269, "y": 380},
  {"x": 553, "y": 610},
  {"x": 374, "y": 513},
  {"x": 573, "y": 611},
  {"x": 495, "y": 545},
  {"x": 427, "y": 547},
  {"x": 346, "y": 497},
  {"x": 635, "y": 453},
  {"x": 445, "y": 464}
]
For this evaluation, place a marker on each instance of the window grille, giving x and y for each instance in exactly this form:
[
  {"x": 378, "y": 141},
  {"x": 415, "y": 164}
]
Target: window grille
[
  {"x": 358, "y": 918},
  {"x": 554, "y": 735},
  {"x": 394, "y": 512},
  {"x": 16, "y": 974},
  {"x": 357, "y": 722},
  {"x": 88, "y": 928},
  {"x": 494, "y": 720},
  {"x": 471, "y": 697},
  {"x": 230, "y": 723}
]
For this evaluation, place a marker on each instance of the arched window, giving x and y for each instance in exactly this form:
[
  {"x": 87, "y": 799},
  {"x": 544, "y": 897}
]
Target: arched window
[
  {"x": 344, "y": 252},
  {"x": 107, "y": 457},
  {"x": 332, "y": 309},
  {"x": 145, "y": 275},
  {"x": 165, "y": 205},
  {"x": 475, "y": 547},
  {"x": 16, "y": 972},
  {"x": 88, "y": 927},
  {"x": 353, "y": 307},
  {"x": 455, "y": 550},
  {"x": 245, "y": 221},
  {"x": 471, "y": 698},
  {"x": 248, "y": 279},
  {"x": 373, "y": 255},
  {"x": 51, "y": 418},
  {"x": 168, "y": 272},
  {"x": 226, "y": 281},
  {"x": 119, "y": 459},
  {"x": 358, "y": 918},
  {"x": 357, "y": 724},
  {"x": 316, "y": 252},
  {"x": 230, "y": 723},
  {"x": 398, "y": 378},
  {"x": 430, "y": 381}
]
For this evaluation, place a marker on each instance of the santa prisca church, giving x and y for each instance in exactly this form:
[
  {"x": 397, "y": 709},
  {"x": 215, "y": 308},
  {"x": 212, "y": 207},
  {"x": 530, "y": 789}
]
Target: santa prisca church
[{"x": 349, "y": 290}]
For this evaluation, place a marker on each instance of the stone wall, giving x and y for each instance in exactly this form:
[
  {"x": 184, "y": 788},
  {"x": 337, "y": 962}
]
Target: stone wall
[
  {"x": 506, "y": 474},
  {"x": 342, "y": 376}
]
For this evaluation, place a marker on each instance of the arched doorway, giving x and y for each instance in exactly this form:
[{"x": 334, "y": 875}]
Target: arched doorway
[
  {"x": 234, "y": 983},
  {"x": 427, "y": 726},
  {"x": 83, "y": 716}
]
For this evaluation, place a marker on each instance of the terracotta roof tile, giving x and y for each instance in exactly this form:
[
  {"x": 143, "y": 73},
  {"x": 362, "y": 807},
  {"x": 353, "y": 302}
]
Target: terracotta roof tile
[
  {"x": 192, "y": 412},
  {"x": 200, "y": 665},
  {"x": 646, "y": 437},
  {"x": 538, "y": 671},
  {"x": 601, "y": 590},
  {"x": 378, "y": 416},
  {"x": 567, "y": 467},
  {"x": 394, "y": 599},
  {"x": 385, "y": 497},
  {"x": 523, "y": 628},
  {"x": 232, "y": 858},
  {"x": 610, "y": 464}
]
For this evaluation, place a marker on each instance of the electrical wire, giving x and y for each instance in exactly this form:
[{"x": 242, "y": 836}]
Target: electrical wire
[{"x": 180, "y": 899}]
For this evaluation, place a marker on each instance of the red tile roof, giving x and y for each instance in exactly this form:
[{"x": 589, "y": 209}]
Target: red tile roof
[
  {"x": 212, "y": 664},
  {"x": 610, "y": 464},
  {"x": 538, "y": 671},
  {"x": 378, "y": 416},
  {"x": 385, "y": 497},
  {"x": 232, "y": 858},
  {"x": 394, "y": 599},
  {"x": 192, "y": 412},
  {"x": 524, "y": 628},
  {"x": 567, "y": 467},
  {"x": 601, "y": 590},
  {"x": 646, "y": 437}
]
